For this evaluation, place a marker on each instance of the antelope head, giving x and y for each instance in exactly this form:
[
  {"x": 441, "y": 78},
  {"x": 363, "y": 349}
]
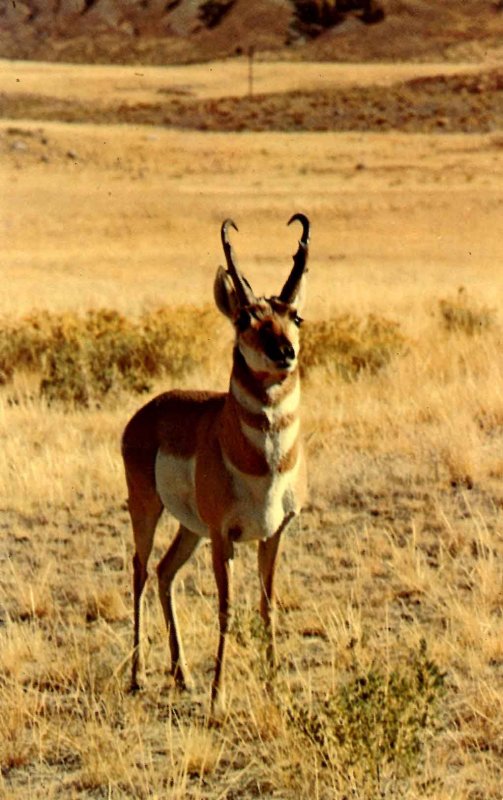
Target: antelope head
[{"x": 267, "y": 328}]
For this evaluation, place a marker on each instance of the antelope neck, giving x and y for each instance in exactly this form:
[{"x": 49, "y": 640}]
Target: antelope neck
[
  {"x": 258, "y": 404},
  {"x": 260, "y": 433}
]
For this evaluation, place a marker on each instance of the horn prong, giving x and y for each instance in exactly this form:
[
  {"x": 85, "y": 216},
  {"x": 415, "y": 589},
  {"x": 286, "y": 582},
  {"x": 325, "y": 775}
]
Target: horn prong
[
  {"x": 243, "y": 289},
  {"x": 290, "y": 289}
]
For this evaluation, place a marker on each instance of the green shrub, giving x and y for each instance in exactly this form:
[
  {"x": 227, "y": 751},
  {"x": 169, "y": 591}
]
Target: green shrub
[
  {"x": 375, "y": 729},
  {"x": 65, "y": 376},
  {"x": 23, "y": 343},
  {"x": 81, "y": 359},
  {"x": 348, "y": 345},
  {"x": 462, "y": 314}
]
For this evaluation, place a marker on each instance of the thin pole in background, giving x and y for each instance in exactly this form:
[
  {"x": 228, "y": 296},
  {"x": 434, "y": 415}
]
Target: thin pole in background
[{"x": 251, "y": 53}]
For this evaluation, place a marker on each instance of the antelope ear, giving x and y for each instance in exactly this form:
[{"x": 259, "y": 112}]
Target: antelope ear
[{"x": 225, "y": 294}]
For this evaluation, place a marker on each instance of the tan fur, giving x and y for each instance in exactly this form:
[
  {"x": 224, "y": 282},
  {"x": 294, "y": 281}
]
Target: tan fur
[{"x": 228, "y": 466}]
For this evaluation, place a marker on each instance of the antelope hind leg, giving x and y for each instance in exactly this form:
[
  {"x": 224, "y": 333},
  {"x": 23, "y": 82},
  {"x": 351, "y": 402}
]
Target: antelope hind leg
[{"x": 180, "y": 550}]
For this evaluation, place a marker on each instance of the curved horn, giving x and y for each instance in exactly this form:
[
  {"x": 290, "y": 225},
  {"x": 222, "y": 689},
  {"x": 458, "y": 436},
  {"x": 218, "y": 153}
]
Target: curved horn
[
  {"x": 241, "y": 285},
  {"x": 291, "y": 287}
]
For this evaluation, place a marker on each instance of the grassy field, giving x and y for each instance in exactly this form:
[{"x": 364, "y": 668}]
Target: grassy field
[
  {"x": 390, "y": 587},
  {"x": 227, "y": 78}
]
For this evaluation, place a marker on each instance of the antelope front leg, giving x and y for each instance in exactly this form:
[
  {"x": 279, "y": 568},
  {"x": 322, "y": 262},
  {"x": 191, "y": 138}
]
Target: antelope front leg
[
  {"x": 267, "y": 558},
  {"x": 222, "y": 553}
]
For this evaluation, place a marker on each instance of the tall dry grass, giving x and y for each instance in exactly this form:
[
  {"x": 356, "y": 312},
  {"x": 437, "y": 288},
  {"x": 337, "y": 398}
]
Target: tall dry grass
[
  {"x": 389, "y": 618},
  {"x": 390, "y": 670}
]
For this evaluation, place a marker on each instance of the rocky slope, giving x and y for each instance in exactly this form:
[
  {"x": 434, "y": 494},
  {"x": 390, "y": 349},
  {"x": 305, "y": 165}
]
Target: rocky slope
[{"x": 169, "y": 31}]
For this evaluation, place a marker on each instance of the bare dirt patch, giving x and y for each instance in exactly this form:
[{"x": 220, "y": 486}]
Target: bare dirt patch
[{"x": 468, "y": 103}]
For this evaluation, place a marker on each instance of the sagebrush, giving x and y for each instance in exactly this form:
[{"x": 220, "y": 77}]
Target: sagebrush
[
  {"x": 82, "y": 359},
  {"x": 374, "y": 731},
  {"x": 464, "y": 314}
]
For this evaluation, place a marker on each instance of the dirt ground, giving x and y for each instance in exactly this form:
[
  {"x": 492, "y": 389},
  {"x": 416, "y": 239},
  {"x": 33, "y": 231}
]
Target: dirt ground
[
  {"x": 290, "y": 97},
  {"x": 401, "y": 541}
]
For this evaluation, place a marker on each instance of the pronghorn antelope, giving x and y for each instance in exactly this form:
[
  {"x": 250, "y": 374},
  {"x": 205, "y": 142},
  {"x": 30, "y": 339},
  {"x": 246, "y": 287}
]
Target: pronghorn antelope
[{"x": 228, "y": 466}]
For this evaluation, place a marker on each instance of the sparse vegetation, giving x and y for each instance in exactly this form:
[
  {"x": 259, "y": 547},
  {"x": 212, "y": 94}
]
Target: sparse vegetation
[
  {"x": 463, "y": 102},
  {"x": 82, "y": 359},
  {"x": 374, "y": 732},
  {"x": 463, "y": 314},
  {"x": 423, "y": 29},
  {"x": 347, "y": 345},
  {"x": 400, "y": 540}
]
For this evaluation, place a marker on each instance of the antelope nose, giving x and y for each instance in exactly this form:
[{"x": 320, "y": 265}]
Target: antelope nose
[
  {"x": 288, "y": 352},
  {"x": 285, "y": 355}
]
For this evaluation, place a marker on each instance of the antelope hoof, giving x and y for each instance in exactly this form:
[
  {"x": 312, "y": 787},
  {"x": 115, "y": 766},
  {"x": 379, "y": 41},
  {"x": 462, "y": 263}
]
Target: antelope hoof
[
  {"x": 182, "y": 681},
  {"x": 218, "y": 713},
  {"x": 218, "y": 705}
]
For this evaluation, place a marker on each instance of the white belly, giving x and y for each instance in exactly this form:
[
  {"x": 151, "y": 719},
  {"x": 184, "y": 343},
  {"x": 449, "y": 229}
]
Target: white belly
[
  {"x": 175, "y": 483},
  {"x": 259, "y": 507},
  {"x": 262, "y": 503}
]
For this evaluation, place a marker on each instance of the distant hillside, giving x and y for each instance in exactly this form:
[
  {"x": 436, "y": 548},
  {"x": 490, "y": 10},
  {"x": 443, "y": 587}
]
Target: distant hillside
[{"x": 170, "y": 31}]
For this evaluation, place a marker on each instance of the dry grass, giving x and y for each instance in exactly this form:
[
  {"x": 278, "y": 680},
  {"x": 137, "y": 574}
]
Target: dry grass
[
  {"x": 401, "y": 541},
  {"x": 465, "y": 102},
  {"x": 229, "y": 78},
  {"x": 403, "y": 533}
]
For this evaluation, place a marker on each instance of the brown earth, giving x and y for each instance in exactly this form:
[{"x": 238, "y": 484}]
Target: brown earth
[
  {"x": 462, "y": 102},
  {"x": 154, "y": 32}
]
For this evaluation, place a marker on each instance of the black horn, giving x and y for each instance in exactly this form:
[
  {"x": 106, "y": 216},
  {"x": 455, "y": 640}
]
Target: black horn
[
  {"x": 291, "y": 287},
  {"x": 243, "y": 289}
]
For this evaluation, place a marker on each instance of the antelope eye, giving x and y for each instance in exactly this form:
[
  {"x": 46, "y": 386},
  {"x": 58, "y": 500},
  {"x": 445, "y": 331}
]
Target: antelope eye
[
  {"x": 297, "y": 320},
  {"x": 243, "y": 320}
]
